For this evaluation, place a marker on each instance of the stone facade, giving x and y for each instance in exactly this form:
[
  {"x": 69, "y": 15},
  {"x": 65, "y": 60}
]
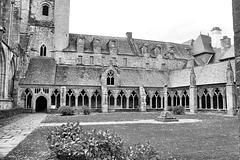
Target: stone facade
[{"x": 56, "y": 68}]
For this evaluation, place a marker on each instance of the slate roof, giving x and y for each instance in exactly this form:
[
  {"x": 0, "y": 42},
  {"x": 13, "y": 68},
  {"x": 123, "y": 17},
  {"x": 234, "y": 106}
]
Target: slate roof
[
  {"x": 124, "y": 45},
  {"x": 41, "y": 70},
  {"x": 202, "y": 45},
  {"x": 44, "y": 70},
  {"x": 77, "y": 75},
  {"x": 206, "y": 74},
  {"x": 189, "y": 42},
  {"x": 229, "y": 54},
  {"x": 139, "y": 77}
]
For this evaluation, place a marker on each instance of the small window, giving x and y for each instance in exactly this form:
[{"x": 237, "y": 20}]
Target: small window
[
  {"x": 45, "y": 10},
  {"x": 110, "y": 78},
  {"x": 125, "y": 62},
  {"x": 43, "y": 51},
  {"x": 79, "y": 61},
  {"x": 91, "y": 59}
]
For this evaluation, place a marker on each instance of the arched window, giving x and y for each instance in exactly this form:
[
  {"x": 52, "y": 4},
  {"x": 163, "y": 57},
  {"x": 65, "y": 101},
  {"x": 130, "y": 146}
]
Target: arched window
[
  {"x": 83, "y": 99},
  {"x": 156, "y": 100},
  {"x": 122, "y": 100},
  {"x": 147, "y": 99},
  {"x": 27, "y": 98},
  {"x": 43, "y": 51},
  {"x": 70, "y": 98},
  {"x": 55, "y": 98},
  {"x": 45, "y": 10},
  {"x": 169, "y": 99},
  {"x": 96, "y": 100},
  {"x": 133, "y": 100},
  {"x": 110, "y": 78},
  {"x": 110, "y": 98}
]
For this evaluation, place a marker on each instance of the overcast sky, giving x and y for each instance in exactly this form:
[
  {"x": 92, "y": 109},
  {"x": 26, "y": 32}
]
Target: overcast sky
[{"x": 163, "y": 20}]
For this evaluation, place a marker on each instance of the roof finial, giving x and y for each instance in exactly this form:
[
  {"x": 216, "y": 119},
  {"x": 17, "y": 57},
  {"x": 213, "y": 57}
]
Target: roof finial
[
  {"x": 230, "y": 74},
  {"x": 200, "y": 32},
  {"x": 192, "y": 78},
  {"x": 229, "y": 66}
]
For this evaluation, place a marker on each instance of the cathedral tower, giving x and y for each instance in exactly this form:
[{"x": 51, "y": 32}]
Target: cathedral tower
[{"x": 61, "y": 22}]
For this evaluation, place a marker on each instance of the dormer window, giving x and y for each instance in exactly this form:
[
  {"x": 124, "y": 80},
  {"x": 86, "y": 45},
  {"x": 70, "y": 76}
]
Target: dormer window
[
  {"x": 43, "y": 51},
  {"x": 45, "y": 10},
  {"x": 110, "y": 78}
]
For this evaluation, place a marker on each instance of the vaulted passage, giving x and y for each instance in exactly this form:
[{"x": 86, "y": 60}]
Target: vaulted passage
[{"x": 41, "y": 104}]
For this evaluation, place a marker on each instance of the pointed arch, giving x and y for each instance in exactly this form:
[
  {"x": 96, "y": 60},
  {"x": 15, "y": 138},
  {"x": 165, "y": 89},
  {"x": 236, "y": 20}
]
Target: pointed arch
[
  {"x": 26, "y": 98},
  {"x": 96, "y": 100},
  {"x": 2, "y": 72},
  {"x": 110, "y": 98},
  {"x": 55, "y": 98},
  {"x": 110, "y": 77},
  {"x": 43, "y": 51}
]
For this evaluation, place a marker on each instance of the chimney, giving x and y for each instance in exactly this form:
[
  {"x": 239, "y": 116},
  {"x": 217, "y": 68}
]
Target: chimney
[
  {"x": 226, "y": 43},
  {"x": 2, "y": 31},
  {"x": 129, "y": 35},
  {"x": 216, "y": 35}
]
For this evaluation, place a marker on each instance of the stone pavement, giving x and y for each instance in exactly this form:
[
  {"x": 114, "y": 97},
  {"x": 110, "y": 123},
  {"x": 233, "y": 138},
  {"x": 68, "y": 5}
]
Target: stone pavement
[{"x": 12, "y": 134}]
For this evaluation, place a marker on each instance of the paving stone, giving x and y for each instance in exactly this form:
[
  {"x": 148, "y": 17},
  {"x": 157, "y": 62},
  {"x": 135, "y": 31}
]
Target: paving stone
[{"x": 12, "y": 134}]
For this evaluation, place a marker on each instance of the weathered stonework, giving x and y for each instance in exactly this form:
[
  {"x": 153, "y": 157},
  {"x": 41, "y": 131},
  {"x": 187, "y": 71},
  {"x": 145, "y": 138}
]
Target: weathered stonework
[{"x": 55, "y": 68}]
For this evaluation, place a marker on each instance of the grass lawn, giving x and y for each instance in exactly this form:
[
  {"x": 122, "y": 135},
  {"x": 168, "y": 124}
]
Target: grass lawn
[{"x": 213, "y": 138}]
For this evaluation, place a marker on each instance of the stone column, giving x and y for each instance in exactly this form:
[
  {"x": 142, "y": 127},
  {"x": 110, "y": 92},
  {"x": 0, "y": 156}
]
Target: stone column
[
  {"x": 127, "y": 94},
  {"x": 142, "y": 95},
  {"x": 76, "y": 101},
  {"x": 224, "y": 101},
  {"x": 104, "y": 99},
  {"x": 230, "y": 90},
  {"x": 193, "y": 92},
  {"x": 127, "y": 107},
  {"x": 162, "y": 102},
  {"x": 200, "y": 102},
  {"x": 165, "y": 97},
  {"x": 115, "y": 94},
  {"x": 150, "y": 96},
  {"x": 89, "y": 101},
  {"x": 150, "y": 102},
  {"x": 63, "y": 96}
]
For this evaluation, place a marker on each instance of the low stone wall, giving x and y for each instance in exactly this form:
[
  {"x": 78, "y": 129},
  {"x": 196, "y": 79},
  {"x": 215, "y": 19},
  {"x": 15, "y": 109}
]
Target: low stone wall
[
  {"x": 6, "y": 104},
  {"x": 10, "y": 112}
]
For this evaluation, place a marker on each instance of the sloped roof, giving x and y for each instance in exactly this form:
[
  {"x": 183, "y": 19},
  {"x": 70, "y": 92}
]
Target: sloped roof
[
  {"x": 189, "y": 42},
  {"x": 122, "y": 43},
  {"x": 90, "y": 76},
  {"x": 139, "y": 77},
  {"x": 41, "y": 70},
  {"x": 45, "y": 71},
  {"x": 202, "y": 45},
  {"x": 78, "y": 75},
  {"x": 179, "y": 49},
  {"x": 207, "y": 74},
  {"x": 124, "y": 47},
  {"x": 228, "y": 54}
]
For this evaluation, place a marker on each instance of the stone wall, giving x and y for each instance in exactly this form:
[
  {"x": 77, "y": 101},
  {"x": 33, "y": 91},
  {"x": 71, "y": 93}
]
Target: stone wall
[
  {"x": 74, "y": 58},
  {"x": 236, "y": 28}
]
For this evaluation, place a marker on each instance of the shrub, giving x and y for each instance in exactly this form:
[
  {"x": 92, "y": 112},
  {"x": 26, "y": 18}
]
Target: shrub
[
  {"x": 178, "y": 110},
  {"x": 169, "y": 108},
  {"x": 70, "y": 142},
  {"x": 142, "y": 152},
  {"x": 86, "y": 110},
  {"x": 66, "y": 110}
]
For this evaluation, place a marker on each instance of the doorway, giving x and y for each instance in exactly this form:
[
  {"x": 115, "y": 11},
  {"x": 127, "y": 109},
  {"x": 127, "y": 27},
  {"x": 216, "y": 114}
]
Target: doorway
[{"x": 41, "y": 104}]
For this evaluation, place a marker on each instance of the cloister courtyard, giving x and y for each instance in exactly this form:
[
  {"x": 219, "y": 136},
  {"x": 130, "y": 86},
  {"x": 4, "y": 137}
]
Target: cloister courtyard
[{"x": 205, "y": 136}]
